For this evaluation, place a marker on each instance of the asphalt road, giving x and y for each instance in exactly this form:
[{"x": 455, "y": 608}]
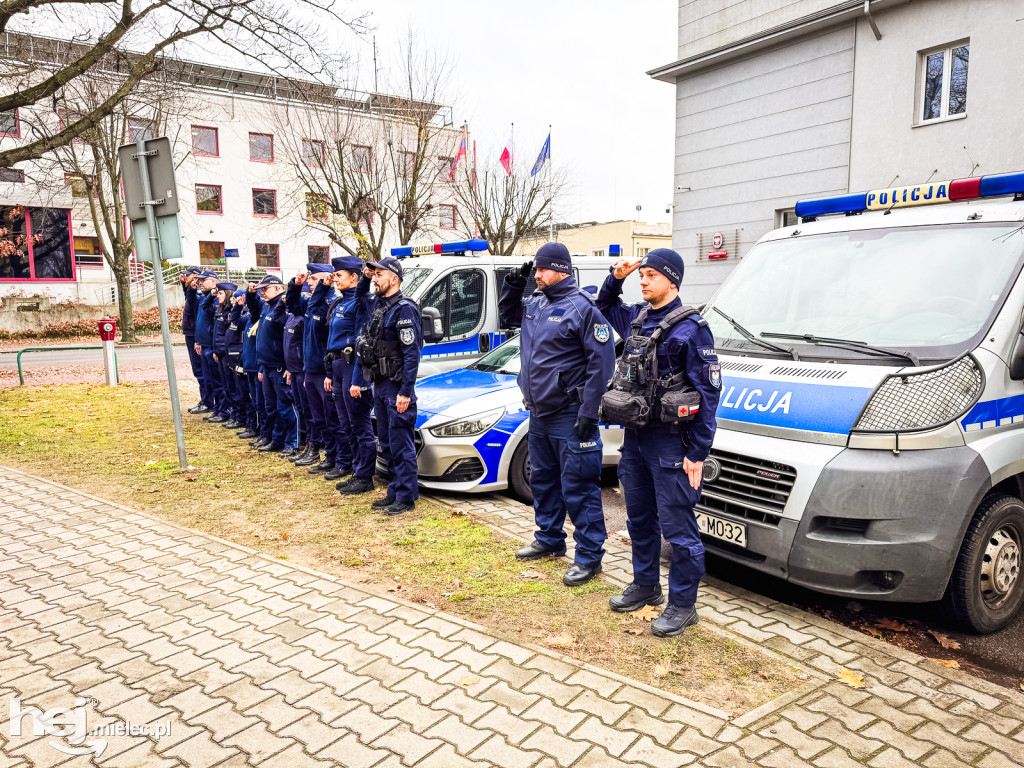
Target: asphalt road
[
  {"x": 9, "y": 360},
  {"x": 85, "y": 366}
]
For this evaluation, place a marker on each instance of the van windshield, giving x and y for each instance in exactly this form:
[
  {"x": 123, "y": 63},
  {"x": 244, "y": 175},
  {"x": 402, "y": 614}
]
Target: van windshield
[
  {"x": 930, "y": 290},
  {"x": 503, "y": 359},
  {"x": 412, "y": 279}
]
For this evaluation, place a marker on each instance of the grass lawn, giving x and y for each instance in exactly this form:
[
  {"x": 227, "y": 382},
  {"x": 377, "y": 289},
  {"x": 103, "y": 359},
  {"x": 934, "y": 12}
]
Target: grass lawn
[{"x": 118, "y": 443}]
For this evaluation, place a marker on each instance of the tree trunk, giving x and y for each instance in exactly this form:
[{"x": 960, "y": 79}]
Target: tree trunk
[{"x": 124, "y": 302}]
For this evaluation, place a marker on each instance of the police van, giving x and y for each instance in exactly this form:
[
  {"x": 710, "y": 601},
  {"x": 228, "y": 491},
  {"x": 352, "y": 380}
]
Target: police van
[
  {"x": 463, "y": 282},
  {"x": 871, "y": 426}
]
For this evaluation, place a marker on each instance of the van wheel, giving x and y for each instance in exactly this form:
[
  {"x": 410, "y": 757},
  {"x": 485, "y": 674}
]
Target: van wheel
[
  {"x": 519, "y": 472},
  {"x": 986, "y": 587}
]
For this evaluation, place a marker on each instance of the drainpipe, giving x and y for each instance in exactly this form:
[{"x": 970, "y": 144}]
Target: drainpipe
[{"x": 871, "y": 19}]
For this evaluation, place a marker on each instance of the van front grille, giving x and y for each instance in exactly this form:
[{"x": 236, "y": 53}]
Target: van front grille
[{"x": 746, "y": 487}]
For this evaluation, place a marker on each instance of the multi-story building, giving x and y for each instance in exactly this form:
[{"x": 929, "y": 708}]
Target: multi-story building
[
  {"x": 783, "y": 100},
  {"x": 592, "y": 238},
  {"x": 238, "y": 138}
]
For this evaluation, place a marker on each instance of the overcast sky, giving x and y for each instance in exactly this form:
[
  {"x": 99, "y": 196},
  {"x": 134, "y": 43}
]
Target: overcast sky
[{"x": 576, "y": 65}]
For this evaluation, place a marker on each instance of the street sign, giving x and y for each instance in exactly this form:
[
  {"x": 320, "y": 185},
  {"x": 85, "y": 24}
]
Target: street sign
[
  {"x": 230, "y": 253},
  {"x": 161, "y": 174},
  {"x": 170, "y": 238}
]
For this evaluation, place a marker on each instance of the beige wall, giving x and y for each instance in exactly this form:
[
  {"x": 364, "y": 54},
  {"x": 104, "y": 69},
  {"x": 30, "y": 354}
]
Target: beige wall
[{"x": 632, "y": 236}]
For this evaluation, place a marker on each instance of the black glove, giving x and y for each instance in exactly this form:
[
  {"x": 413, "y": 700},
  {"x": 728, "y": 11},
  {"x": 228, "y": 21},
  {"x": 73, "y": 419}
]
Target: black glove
[
  {"x": 518, "y": 279},
  {"x": 584, "y": 427}
]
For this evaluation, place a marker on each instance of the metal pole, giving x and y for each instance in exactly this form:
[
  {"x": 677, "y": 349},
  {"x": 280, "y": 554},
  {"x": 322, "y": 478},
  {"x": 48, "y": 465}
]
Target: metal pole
[{"x": 158, "y": 279}]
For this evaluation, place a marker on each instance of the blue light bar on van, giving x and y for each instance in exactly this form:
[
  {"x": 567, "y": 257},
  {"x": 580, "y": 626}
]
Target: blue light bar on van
[
  {"x": 928, "y": 193},
  {"x": 422, "y": 250}
]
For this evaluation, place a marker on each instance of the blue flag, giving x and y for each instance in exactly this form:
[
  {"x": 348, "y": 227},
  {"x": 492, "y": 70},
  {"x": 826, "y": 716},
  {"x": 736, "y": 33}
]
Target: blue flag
[{"x": 545, "y": 154}]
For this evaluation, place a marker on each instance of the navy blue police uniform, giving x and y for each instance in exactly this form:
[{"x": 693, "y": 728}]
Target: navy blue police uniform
[
  {"x": 659, "y": 497},
  {"x": 277, "y": 396},
  {"x": 233, "y": 341},
  {"x": 258, "y": 425},
  {"x": 188, "y": 328},
  {"x": 204, "y": 339},
  {"x": 294, "y": 365},
  {"x": 395, "y": 331},
  {"x": 221, "y": 322},
  {"x": 567, "y": 357},
  {"x": 346, "y": 319}
]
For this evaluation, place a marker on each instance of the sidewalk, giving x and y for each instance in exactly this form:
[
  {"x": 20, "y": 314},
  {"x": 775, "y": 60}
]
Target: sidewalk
[{"x": 237, "y": 659}]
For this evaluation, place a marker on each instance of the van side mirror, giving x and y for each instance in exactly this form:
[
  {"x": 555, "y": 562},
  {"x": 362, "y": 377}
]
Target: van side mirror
[
  {"x": 1016, "y": 361},
  {"x": 433, "y": 329}
]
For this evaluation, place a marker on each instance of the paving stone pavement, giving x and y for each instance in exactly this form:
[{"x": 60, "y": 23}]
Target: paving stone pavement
[{"x": 210, "y": 654}]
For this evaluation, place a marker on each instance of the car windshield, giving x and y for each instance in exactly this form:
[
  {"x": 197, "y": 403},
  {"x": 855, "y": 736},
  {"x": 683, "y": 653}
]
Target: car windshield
[
  {"x": 503, "y": 359},
  {"x": 930, "y": 290},
  {"x": 412, "y": 279}
]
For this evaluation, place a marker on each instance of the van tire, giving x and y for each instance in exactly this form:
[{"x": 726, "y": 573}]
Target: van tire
[
  {"x": 519, "y": 472},
  {"x": 987, "y": 585}
]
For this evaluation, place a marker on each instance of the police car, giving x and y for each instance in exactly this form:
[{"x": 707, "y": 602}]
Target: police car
[
  {"x": 871, "y": 423},
  {"x": 472, "y": 426}
]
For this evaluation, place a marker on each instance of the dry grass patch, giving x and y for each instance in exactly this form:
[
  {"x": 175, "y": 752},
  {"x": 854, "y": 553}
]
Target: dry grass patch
[{"x": 119, "y": 444}]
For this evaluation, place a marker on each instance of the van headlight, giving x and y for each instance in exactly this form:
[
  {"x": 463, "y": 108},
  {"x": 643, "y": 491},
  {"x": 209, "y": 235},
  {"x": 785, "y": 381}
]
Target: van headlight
[
  {"x": 476, "y": 425},
  {"x": 924, "y": 400}
]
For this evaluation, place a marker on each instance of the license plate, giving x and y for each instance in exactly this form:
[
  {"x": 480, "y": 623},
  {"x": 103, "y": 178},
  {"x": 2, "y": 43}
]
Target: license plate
[{"x": 718, "y": 528}]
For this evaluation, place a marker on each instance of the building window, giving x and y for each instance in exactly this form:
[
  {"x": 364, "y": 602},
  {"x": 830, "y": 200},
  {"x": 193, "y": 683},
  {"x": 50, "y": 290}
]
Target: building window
[
  {"x": 10, "y": 124},
  {"x": 204, "y": 141},
  {"x": 12, "y": 175},
  {"x": 268, "y": 256},
  {"x": 35, "y": 244},
  {"x": 313, "y": 153},
  {"x": 447, "y": 214},
  {"x": 264, "y": 202},
  {"x": 361, "y": 158},
  {"x": 944, "y": 82},
  {"x": 641, "y": 252},
  {"x": 599, "y": 252},
  {"x": 138, "y": 127},
  {"x": 261, "y": 147},
  {"x": 444, "y": 167},
  {"x": 406, "y": 164},
  {"x": 316, "y": 206},
  {"x": 88, "y": 252},
  {"x": 318, "y": 254},
  {"x": 80, "y": 184},
  {"x": 211, "y": 254},
  {"x": 69, "y": 117},
  {"x": 208, "y": 198}
]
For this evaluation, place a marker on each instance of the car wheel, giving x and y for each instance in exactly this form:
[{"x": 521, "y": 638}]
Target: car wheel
[
  {"x": 986, "y": 588},
  {"x": 519, "y": 472}
]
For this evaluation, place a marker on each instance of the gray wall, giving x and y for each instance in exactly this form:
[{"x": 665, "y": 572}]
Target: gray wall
[{"x": 754, "y": 135}]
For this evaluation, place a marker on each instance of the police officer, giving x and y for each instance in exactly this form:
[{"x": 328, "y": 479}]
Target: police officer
[
  {"x": 205, "y": 314},
  {"x": 662, "y": 462},
  {"x": 349, "y": 392},
  {"x": 263, "y": 300},
  {"x": 293, "y": 315},
  {"x": 190, "y": 286},
  {"x": 221, "y": 323},
  {"x": 567, "y": 358},
  {"x": 233, "y": 341},
  {"x": 390, "y": 352}
]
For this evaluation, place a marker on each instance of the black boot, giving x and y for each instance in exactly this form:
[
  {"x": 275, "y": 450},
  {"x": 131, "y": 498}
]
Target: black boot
[
  {"x": 399, "y": 508},
  {"x": 300, "y": 451},
  {"x": 338, "y": 472},
  {"x": 324, "y": 466},
  {"x": 287, "y": 452},
  {"x": 636, "y": 596},
  {"x": 674, "y": 620},
  {"x": 384, "y": 503},
  {"x": 246, "y": 434},
  {"x": 357, "y": 486},
  {"x": 312, "y": 457}
]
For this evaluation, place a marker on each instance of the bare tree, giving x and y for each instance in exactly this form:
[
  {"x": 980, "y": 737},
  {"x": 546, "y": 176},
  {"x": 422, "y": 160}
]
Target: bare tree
[
  {"x": 502, "y": 209},
  {"x": 372, "y": 168},
  {"x": 98, "y": 37},
  {"x": 89, "y": 167}
]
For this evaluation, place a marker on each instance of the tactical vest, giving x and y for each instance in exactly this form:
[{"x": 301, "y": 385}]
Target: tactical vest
[
  {"x": 636, "y": 394},
  {"x": 380, "y": 357}
]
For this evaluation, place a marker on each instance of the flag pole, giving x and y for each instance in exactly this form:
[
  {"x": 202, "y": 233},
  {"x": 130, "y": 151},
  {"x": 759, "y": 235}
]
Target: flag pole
[
  {"x": 551, "y": 201},
  {"x": 476, "y": 219}
]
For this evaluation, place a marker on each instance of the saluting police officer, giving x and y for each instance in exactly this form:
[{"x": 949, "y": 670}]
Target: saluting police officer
[
  {"x": 390, "y": 352},
  {"x": 567, "y": 358},
  {"x": 662, "y": 462},
  {"x": 190, "y": 285},
  {"x": 204, "y": 340}
]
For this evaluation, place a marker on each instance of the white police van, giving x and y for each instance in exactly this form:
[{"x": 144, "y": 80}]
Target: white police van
[
  {"x": 463, "y": 282},
  {"x": 871, "y": 424}
]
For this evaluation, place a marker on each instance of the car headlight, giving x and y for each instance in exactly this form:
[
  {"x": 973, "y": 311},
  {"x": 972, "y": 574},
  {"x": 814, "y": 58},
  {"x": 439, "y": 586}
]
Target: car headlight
[
  {"x": 919, "y": 401},
  {"x": 476, "y": 425}
]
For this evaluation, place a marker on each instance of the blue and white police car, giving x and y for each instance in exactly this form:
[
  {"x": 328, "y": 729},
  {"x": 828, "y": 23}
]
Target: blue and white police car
[{"x": 472, "y": 427}]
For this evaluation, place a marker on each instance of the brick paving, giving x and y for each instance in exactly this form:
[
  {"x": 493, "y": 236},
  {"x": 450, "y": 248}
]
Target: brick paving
[{"x": 241, "y": 659}]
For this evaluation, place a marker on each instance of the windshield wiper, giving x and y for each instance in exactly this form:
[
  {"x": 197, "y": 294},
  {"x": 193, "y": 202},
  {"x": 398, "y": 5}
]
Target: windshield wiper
[
  {"x": 754, "y": 340},
  {"x": 857, "y": 346}
]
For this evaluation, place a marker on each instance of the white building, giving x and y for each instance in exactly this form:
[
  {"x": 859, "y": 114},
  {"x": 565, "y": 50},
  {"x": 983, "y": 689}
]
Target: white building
[
  {"x": 240, "y": 193},
  {"x": 782, "y": 100}
]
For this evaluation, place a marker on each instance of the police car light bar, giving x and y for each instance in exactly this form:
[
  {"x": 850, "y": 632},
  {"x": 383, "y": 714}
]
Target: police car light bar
[
  {"x": 422, "y": 250},
  {"x": 922, "y": 194}
]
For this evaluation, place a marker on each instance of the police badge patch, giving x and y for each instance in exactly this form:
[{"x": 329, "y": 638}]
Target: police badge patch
[
  {"x": 715, "y": 376},
  {"x": 406, "y": 336},
  {"x": 602, "y": 332}
]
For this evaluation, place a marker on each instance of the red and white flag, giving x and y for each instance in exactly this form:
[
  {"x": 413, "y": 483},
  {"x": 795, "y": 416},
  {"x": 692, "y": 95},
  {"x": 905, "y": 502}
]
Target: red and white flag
[
  {"x": 507, "y": 155},
  {"x": 458, "y": 155}
]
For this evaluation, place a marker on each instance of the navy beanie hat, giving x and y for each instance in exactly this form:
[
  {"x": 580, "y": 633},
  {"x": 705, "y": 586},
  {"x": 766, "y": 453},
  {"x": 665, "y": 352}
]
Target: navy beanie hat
[
  {"x": 666, "y": 261},
  {"x": 554, "y": 256}
]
